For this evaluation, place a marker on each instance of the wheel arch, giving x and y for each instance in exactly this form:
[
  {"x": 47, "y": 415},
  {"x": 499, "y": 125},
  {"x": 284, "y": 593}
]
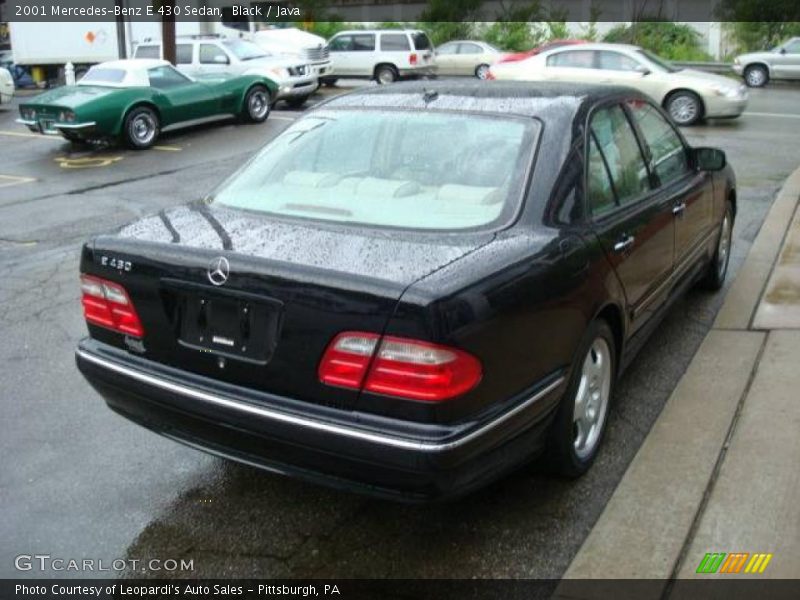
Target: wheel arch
[
  {"x": 136, "y": 104},
  {"x": 758, "y": 63},
  {"x": 272, "y": 90},
  {"x": 384, "y": 64}
]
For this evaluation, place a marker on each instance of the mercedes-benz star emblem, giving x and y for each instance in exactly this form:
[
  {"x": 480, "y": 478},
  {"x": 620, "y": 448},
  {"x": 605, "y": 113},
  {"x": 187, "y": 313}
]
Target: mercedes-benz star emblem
[{"x": 218, "y": 270}]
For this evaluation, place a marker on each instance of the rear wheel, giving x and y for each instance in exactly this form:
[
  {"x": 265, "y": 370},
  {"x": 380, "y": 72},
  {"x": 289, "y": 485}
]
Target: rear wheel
[
  {"x": 685, "y": 107},
  {"x": 256, "y": 104},
  {"x": 580, "y": 423},
  {"x": 718, "y": 269},
  {"x": 756, "y": 76},
  {"x": 386, "y": 74},
  {"x": 482, "y": 71},
  {"x": 141, "y": 128}
]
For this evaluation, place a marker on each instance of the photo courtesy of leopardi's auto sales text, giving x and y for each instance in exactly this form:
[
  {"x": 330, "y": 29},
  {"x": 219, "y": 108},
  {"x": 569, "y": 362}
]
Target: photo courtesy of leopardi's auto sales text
[{"x": 399, "y": 299}]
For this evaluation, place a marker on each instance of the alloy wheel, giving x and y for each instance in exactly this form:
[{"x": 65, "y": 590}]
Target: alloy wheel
[
  {"x": 143, "y": 129},
  {"x": 591, "y": 400},
  {"x": 755, "y": 77},
  {"x": 482, "y": 72},
  {"x": 258, "y": 104},
  {"x": 684, "y": 109}
]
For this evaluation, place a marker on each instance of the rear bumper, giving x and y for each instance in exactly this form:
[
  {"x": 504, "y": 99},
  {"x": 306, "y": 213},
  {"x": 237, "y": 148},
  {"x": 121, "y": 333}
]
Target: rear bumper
[{"x": 376, "y": 455}]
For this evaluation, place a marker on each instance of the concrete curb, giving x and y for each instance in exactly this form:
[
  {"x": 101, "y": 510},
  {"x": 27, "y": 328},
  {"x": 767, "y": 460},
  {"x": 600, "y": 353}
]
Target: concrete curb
[{"x": 649, "y": 522}]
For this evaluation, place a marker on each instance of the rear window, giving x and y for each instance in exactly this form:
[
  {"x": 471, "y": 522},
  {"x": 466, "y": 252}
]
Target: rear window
[
  {"x": 390, "y": 169},
  {"x": 421, "y": 41},
  {"x": 148, "y": 52},
  {"x": 99, "y": 76}
]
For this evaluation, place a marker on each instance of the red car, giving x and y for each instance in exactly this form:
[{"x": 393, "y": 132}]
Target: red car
[{"x": 546, "y": 46}]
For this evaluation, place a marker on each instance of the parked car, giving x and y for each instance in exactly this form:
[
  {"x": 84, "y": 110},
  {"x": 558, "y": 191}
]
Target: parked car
[
  {"x": 686, "y": 94},
  {"x": 136, "y": 99},
  {"x": 291, "y": 42},
  {"x": 202, "y": 55},
  {"x": 782, "y": 62},
  {"x": 464, "y": 57},
  {"x": 6, "y": 86},
  {"x": 384, "y": 55},
  {"x": 375, "y": 301},
  {"x": 551, "y": 45}
]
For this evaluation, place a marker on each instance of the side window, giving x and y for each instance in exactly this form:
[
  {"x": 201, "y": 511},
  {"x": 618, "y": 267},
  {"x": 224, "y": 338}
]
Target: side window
[
  {"x": 616, "y": 141},
  {"x": 363, "y": 42},
  {"x": 341, "y": 43},
  {"x": 447, "y": 49},
  {"x": 148, "y": 52},
  {"x": 576, "y": 59},
  {"x": 616, "y": 61},
  {"x": 600, "y": 190},
  {"x": 164, "y": 78},
  {"x": 666, "y": 149},
  {"x": 212, "y": 54},
  {"x": 469, "y": 49},
  {"x": 793, "y": 47},
  {"x": 395, "y": 42},
  {"x": 183, "y": 54}
]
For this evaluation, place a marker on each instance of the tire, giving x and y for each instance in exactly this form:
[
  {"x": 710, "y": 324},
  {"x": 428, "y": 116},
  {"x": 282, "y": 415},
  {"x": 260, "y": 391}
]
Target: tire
[
  {"x": 328, "y": 81},
  {"x": 684, "y": 107},
  {"x": 386, "y": 74},
  {"x": 257, "y": 104},
  {"x": 482, "y": 71},
  {"x": 141, "y": 129},
  {"x": 718, "y": 268},
  {"x": 296, "y": 102},
  {"x": 756, "y": 76},
  {"x": 577, "y": 431}
]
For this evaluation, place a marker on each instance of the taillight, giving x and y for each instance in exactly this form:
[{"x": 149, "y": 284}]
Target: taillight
[
  {"x": 107, "y": 304},
  {"x": 412, "y": 58},
  {"x": 400, "y": 367}
]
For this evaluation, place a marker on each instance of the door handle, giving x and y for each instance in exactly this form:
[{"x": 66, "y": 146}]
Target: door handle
[
  {"x": 678, "y": 209},
  {"x": 624, "y": 243}
]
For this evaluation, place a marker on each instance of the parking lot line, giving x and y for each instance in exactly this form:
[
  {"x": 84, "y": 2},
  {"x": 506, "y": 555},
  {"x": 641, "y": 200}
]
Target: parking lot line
[
  {"x": 9, "y": 180},
  {"x": 38, "y": 136},
  {"x": 775, "y": 115},
  {"x": 282, "y": 118},
  {"x": 168, "y": 148}
]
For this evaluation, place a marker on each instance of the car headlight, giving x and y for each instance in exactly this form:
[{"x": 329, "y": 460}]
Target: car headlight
[
  {"x": 736, "y": 60},
  {"x": 280, "y": 73}
]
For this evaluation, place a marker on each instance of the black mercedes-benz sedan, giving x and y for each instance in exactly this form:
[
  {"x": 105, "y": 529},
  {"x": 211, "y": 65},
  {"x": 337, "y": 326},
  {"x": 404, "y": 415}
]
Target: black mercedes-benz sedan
[{"x": 414, "y": 288}]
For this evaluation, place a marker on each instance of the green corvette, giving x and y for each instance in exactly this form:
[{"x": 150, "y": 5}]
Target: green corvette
[{"x": 135, "y": 100}]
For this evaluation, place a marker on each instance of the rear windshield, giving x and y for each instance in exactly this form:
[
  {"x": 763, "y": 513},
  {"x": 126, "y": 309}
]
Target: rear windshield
[
  {"x": 421, "y": 41},
  {"x": 99, "y": 76},
  {"x": 434, "y": 170}
]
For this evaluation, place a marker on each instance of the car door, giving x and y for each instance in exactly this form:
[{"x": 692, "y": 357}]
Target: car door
[
  {"x": 341, "y": 53},
  {"x": 181, "y": 99},
  {"x": 632, "y": 220},
  {"x": 786, "y": 64},
  {"x": 690, "y": 191},
  {"x": 469, "y": 57},
  {"x": 446, "y": 58}
]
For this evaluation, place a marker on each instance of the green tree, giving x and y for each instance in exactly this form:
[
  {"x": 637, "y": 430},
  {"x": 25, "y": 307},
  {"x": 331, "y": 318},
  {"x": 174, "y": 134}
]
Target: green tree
[{"x": 673, "y": 41}]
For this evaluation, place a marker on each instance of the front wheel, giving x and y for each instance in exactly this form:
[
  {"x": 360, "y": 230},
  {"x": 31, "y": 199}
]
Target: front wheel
[
  {"x": 685, "y": 108},
  {"x": 141, "y": 129},
  {"x": 581, "y": 419},
  {"x": 756, "y": 76},
  {"x": 256, "y": 104},
  {"x": 718, "y": 269}
]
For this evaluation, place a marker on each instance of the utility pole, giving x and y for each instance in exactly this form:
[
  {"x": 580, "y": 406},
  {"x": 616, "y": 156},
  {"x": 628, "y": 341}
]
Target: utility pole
[
  {"x": 122, "y": 47},
  {"x": 168, "y": 31}
]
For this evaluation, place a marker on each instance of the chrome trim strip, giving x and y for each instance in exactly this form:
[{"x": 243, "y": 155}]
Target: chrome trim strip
[
  {"x": 342, "y": 430},
  {"x": 27, "y": 122},
  {"x": 75, "y": 126}
]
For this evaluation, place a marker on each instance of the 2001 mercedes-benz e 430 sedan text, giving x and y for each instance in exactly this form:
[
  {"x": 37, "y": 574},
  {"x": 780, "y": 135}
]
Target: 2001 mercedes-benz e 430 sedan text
[{"x": 413, "y": 289}]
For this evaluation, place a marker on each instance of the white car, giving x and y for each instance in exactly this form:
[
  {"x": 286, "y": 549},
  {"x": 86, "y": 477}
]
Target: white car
[
  {"x": 384, "y": 55},
  {"x": 203, "y": 54},
  {"x": 686, "y": 94},
  {"x": 782, "y": 62},
  {"x": 6, "y": 86}
]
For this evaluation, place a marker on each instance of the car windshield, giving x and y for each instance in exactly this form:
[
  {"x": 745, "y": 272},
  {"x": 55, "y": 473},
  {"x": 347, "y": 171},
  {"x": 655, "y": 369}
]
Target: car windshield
[
  {"x": 102, "y": 76},
  {"x": 244, "y": 50},
  {"x": 435, "y": 170},
  {"x": 662, "y": 64}
]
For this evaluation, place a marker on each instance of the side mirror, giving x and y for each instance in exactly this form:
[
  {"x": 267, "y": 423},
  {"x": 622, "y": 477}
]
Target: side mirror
[
  {"x": 220, "y": 60},
  {"x": 642, "y": 70},
  {"x": 782, "y": 50},
  {"x": 709, "y": 159}
]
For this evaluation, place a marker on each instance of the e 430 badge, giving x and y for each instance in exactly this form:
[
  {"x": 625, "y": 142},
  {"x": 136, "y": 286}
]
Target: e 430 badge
[{"x": 116, "y": 263}]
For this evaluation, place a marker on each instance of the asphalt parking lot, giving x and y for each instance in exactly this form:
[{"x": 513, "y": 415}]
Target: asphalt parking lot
[{"x": 81, "y": 482}]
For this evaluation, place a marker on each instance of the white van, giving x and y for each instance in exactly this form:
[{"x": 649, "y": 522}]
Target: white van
[{"x": 384, "y": 55}]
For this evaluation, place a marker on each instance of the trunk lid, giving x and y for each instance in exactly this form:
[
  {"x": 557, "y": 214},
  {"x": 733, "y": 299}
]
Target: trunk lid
[{"x": 290, "y": 288}]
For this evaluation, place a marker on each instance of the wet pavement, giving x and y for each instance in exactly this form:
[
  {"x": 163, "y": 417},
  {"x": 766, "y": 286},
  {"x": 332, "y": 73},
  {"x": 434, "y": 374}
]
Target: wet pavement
[{"x": 80, "y": 482}]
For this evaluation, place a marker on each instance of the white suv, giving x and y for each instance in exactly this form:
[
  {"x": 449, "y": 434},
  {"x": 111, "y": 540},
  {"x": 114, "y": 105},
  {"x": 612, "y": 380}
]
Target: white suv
[
  {"x": 384, "y": 55},
  {"x": 209, "y": 54}
]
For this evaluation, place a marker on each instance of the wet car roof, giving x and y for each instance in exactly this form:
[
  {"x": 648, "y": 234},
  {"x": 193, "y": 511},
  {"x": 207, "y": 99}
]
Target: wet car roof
[{"x": 510, "y": 97}]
